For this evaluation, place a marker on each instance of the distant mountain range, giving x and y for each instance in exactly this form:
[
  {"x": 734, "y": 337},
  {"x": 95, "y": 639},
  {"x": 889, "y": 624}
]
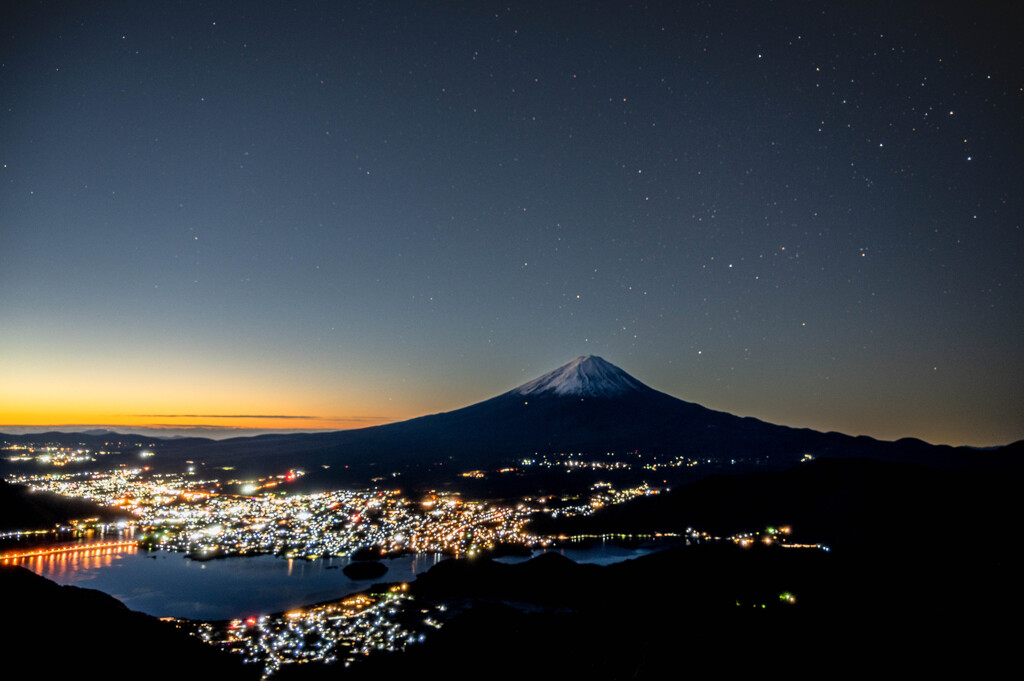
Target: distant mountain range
[{"x": 587, "y": 406}]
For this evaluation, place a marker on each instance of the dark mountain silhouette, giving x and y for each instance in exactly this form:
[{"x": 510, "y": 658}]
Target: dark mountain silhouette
[
  {"x": 100, "y": 634},
  {"x": 100, "y": 440},
  {"x": 587, "y": 405},
  {"x": 849, "y": 504},
  {"x": 21, "y": 508},
  {"x": 708, "y": 610}
]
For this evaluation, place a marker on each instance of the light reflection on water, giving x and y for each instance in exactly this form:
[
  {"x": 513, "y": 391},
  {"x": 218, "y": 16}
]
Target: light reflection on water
[{"x": 71, "y": 567}]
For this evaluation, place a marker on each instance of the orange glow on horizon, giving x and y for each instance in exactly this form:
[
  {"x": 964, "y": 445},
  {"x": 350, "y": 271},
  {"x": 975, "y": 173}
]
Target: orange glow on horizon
[
  {"x": 188, "y": 421},
  {"x": 180, "y": 398}
]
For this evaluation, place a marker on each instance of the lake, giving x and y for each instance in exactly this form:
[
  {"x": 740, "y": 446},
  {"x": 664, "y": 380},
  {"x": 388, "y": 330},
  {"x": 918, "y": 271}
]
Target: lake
[
  {"x": 166, "y": 584},
  {"x": 163, "y": 584}
]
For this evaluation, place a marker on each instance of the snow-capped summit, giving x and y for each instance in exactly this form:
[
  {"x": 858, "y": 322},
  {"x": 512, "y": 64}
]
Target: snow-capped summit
[{"x": 588, "y": 376}]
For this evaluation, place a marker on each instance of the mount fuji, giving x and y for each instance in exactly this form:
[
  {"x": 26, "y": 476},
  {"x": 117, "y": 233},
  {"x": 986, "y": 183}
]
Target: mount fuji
[
  {"x": 586, "y": 406},
  {"x": 588, "y": 376}
]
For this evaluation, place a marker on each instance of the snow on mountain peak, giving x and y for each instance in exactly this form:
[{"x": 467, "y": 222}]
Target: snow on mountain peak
[{"x": 588, "y": 376}]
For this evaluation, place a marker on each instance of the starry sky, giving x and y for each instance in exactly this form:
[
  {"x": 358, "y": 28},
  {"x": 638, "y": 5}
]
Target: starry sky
[{"x": 251, "y": 215}]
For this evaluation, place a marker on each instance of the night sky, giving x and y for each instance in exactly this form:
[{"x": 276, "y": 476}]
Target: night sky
[{"x": 214, "y": 213}]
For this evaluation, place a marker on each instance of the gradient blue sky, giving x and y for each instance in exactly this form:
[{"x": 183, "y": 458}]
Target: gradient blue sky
[{"x": 361, "y": 212}]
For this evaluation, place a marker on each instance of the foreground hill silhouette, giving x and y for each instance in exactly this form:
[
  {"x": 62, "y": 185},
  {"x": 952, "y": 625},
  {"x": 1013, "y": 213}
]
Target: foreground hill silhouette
[
  {"x": 21, "y": 508},
  {"x": 706, "y": 610},
  {"x": 849, "y": 504},
  {"x": 63, "y": 631}
]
